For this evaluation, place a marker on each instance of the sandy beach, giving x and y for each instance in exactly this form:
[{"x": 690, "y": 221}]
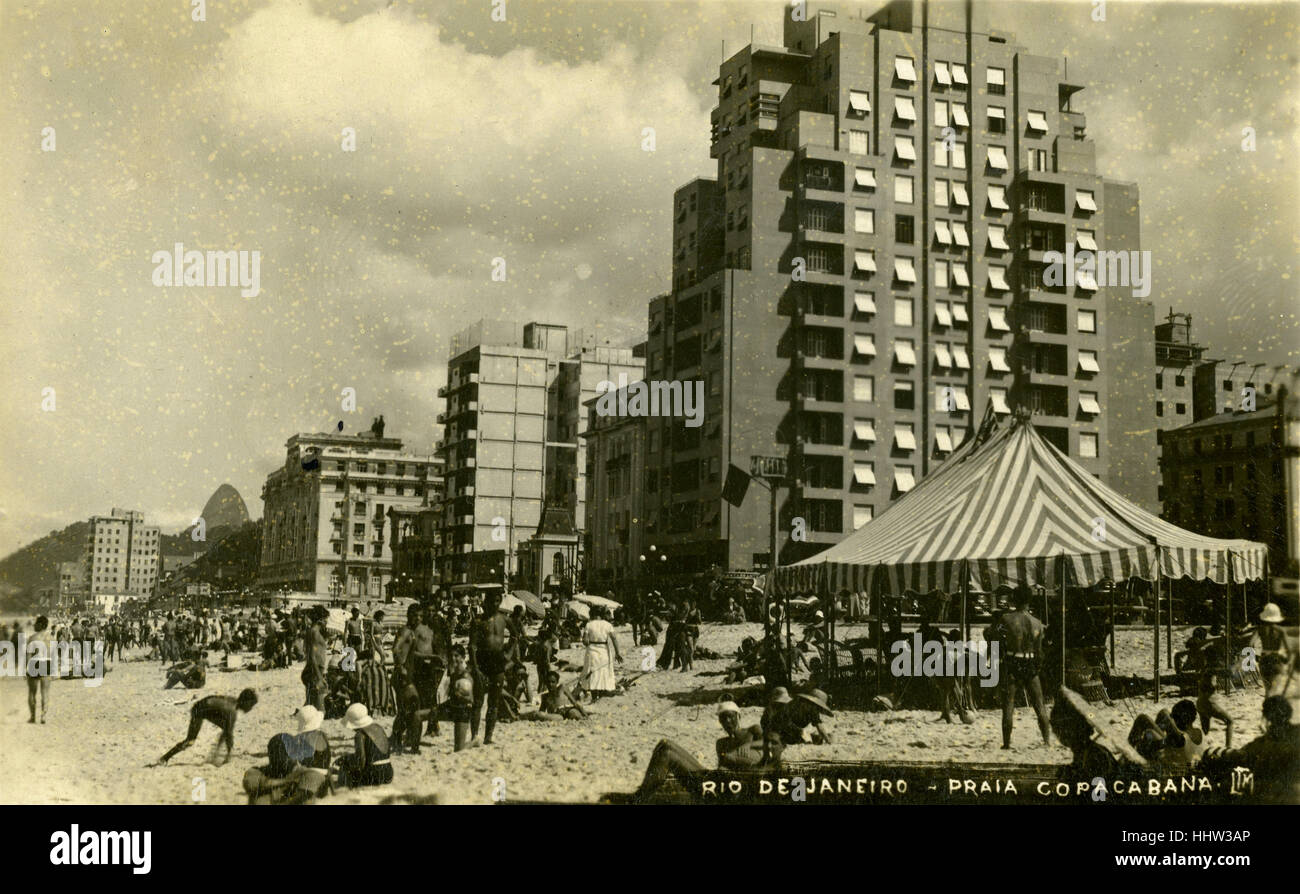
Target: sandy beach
[{"x": 98, "y": 740}]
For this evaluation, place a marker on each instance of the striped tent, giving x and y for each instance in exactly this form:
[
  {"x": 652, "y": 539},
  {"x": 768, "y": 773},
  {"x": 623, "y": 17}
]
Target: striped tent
[{"x": 1009, "y": 509}]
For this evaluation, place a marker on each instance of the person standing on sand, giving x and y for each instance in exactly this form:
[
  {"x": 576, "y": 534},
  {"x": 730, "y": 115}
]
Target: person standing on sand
[
  {"x": 488, "y": 657},
  {"x": 313, "y": 672},
  {"x": 40, "y": 667},
  {"x": 1021, "y": 641}
]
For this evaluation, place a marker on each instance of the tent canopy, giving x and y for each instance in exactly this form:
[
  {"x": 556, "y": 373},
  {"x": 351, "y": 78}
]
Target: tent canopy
[
  {"x": 1013, "y": 507},
  {"x": 597, "y": 600}
]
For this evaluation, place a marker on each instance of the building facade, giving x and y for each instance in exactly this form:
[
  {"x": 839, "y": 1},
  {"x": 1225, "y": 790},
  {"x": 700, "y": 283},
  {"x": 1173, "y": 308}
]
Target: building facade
[
  {"x": 68, "y": 592},
  {"x": 121, "y": 558},
  {"x": 513, "y": 440},
  {"x": 1224, "y": 476},
  {"x": 890, "y": 191},
  {"x": 326, "y": 512},
  {"x": 615, "y": 537}
]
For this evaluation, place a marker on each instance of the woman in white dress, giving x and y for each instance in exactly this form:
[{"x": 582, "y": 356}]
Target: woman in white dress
[{"x": 601, "y": 653}]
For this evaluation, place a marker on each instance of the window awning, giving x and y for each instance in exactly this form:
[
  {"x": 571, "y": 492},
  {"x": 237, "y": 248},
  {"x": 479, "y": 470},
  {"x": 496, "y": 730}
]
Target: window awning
[
  {"x": 942, "y": 441},
  {"x": 865, "y": 345},
  {"x": 959, "y": 73},
  {"x": 998, "y": 238},
  {"x": 959, "y": 194},
  {"x": 999, "y": 399},
  {"x": 864, "y": 302},
  {"x": 904, "y": 270},
  {"x": 959, "y": 116},
  {"x": 962, "y": 399},
  {"x": 997, "y": 112},
  {"x": 863, "y": 474},
  {"x": 942, "y": 316},
  {"x": 864, "y": 261},
  {"x": 996, "y": 76},
  {"x": 1037, "y": 121},
  {"x": 1088, "y": 404},
  {"x": 998, "y": 359},
  {"x": 998, "y": 319},
  {"x": 1085, "y": 281},
  {"x": 904, "y": 354},
  {"x": 903, "y": 479},
  {"x": 942, "y": 233},
  {"x": 1088, "y": 362},
  {"x": 864, "y": 178},
  {"x": 1084, "y": 199},
  {"x": 905, "y": 148},
  {"x": 864, "y": 430},
  {"x": 960, "y": 356},
  {"x": 1085, "y": 240},
  {"x": 961, "y": 279},
  {"x": 903, "y": 69},
  {"x": 959, "y": 312},
  {"x": 941, "y": 74},
  {"x": 859, "y": 102},
  {"x": 904, "y": 108},
  {"x": 997, "y": 159},
  {"x": 904, "y": 438},
  {"x": 942, "y": 357},
  {"x": 959, "y": 234},
  {"x": 998, "y": 279},
  {"x": 998, "y": 197}
]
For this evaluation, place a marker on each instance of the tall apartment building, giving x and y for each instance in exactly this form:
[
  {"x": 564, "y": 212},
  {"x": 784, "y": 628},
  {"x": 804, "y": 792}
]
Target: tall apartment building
[
  {"x": 888, "y": 190},
  {"x": 1223, "y": 476},
  {"x": 514, "y": 437},
  {"x": 326, "y": 512},
  {"x": 68, "y": 592},
  {"x": 121, "y": 558}
]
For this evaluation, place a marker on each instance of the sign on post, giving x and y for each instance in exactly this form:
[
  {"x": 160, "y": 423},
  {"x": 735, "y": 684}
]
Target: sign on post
[{"x": 771, "y": 467}]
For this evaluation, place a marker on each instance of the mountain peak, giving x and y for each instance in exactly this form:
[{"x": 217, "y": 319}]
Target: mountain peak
[{"x": 225, "y": 507}]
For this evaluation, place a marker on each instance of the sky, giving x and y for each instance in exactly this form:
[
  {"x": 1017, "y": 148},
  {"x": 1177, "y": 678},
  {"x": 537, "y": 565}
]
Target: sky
[{"x": 476, "y": 139}]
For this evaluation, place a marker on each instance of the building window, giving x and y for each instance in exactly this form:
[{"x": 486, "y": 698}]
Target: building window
[
  {"x": 1087, "y": 444},
  {"x": 1037, "y": 159},
  {"x": 1180, "y": 381},
  {"x": 904, "y": 229},
  {"x": 996, "y": 80},
  {"x": 903, "y": 189},
  {"x": 859, "y": 103},
  {"x": 861, "y": 515},
  {"x": 904, "y": 395},
  {"x": 864, "y": 388},
  {"x": 864, "y": 220},
  {"x": 940, "y": 113},
  {"x": 997, "y": 117},
  {"x": 1160, "y": 408},
  {"x": 1180, "y": 409},
  {"x": 859, "y": 142},
  {"x": 903, "y": 312},
  {"x": 941, "y": 195},
  {"x": 904, "y": 149},
  {"x": 1086, "y": 321}
]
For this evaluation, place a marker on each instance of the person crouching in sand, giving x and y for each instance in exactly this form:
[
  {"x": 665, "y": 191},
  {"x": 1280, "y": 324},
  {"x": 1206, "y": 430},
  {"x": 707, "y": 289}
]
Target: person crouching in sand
[{"x": 222, "y": 711}]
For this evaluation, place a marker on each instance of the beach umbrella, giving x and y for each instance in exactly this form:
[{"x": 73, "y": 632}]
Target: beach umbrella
[
  {"x": 597, "y": 600},
  {"x": 580, "y": 609},
  {"x": 531, "y": 602}
]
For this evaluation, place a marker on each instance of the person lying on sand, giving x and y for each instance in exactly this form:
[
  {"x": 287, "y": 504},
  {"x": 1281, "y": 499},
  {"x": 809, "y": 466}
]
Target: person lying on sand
[
  {"x": 739, "y": 749},
  {"x": 190, "y": 674},
  {"x": 558, "y": 703},
  {"x": 220, "y": 710}
]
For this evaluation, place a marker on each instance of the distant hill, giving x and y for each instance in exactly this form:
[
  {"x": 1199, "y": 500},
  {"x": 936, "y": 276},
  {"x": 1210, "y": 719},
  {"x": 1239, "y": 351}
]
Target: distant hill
[
  {"x": 224, "y": 509},
  {"x": 36, "y": 565},
  {"x": 231, "y": 562}
]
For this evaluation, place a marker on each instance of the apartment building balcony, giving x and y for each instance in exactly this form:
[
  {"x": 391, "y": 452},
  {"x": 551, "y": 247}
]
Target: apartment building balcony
[
  {"x": 818, "y": 448},
  {"x": 1034, "y": 214},
  {"x": 810, "y": 492},
  {"x": 817, "y": 232},
  {"x": 823, "y": 320},
  {"x": 442, "y": 418},
  {"x": 810, "y": 361},
  {"x": 1046, "y": 337},
  {"x": 442, "y": 390}
]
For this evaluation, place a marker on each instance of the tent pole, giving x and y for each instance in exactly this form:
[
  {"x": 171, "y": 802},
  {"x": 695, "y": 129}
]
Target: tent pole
[
  {"x": 1062, "y": 562},
  {"x": 1227, "y": 633},
  {"x": 1156, "y": 628},
  {"x": 1112, "y": 627},
  {"x": 1169, "y": 629},
  {"x": 965, "y": 595}
]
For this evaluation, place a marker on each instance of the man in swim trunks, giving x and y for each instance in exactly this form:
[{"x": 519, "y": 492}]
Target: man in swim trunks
[
  {"x": 1020, "y": 642},
  {"x": 488, "y": 656},
  {"x": 221, "y": 711}
]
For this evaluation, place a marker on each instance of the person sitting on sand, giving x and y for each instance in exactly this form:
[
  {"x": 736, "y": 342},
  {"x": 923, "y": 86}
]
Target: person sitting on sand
[
  {"x": 221, "y": 710},
  {"x": 190, "y": 674},
  {"x": 740, "y": 749},
  {"x": 284, "y": 779},
  {"x": 1273, "y": 758},
  {"x": 558, "y": 703},
  {"x": 369, "y": 762},
  {"x": 805, "y": 710}
]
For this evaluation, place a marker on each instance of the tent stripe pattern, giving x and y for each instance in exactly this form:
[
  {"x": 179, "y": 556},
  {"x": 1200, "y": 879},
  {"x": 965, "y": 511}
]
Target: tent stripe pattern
[{"x": 1011, "y": 509}]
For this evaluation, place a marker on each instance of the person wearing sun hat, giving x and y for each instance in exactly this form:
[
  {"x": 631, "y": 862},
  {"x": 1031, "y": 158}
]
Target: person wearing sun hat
[
  {"x": 1274, "y": 651},
  {"x": 739, "y": 749},
  {"x": 369, "y": 763},
  {"x": 804, "y": 710}
]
